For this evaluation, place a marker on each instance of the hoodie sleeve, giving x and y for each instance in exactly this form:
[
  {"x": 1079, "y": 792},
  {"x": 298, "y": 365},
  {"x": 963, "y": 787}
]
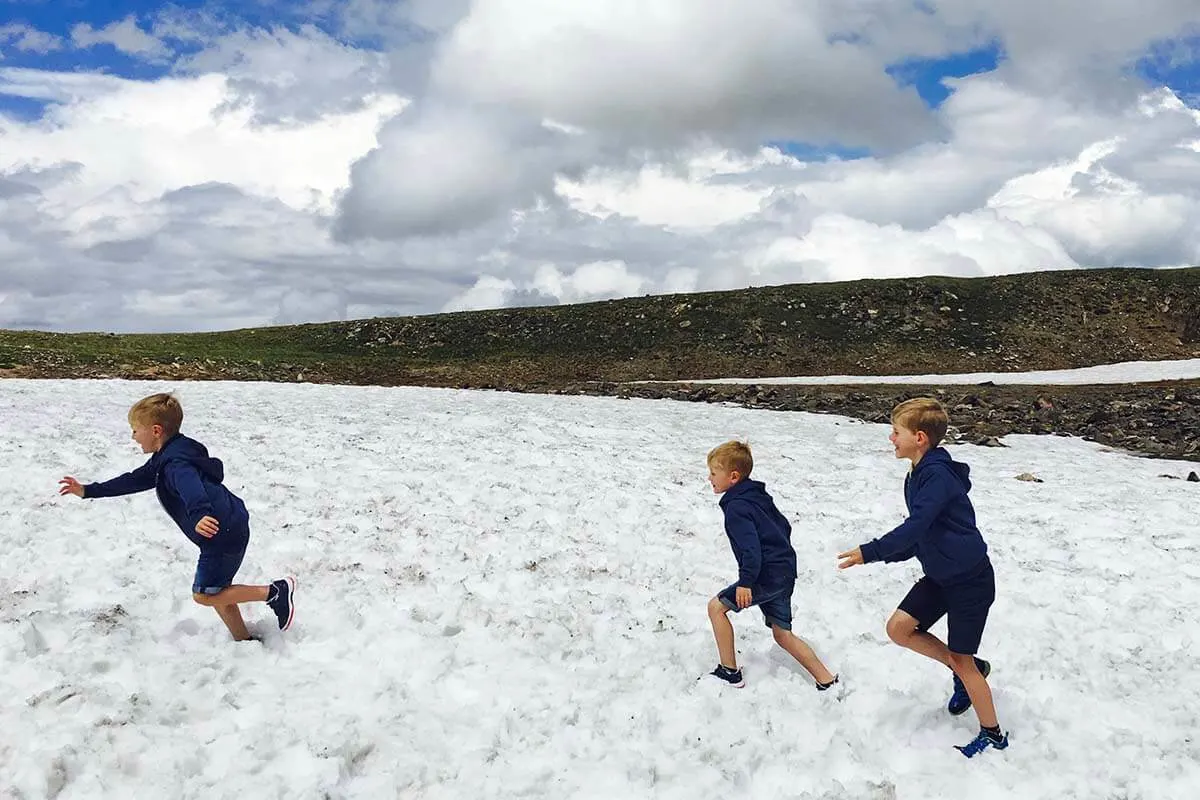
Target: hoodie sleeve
[
  {"x": 184, "y": 480},
  {"x": 936, "y": 489},
  {"x": 746, "y": 545},
  {"x": 139, "y": 480}
]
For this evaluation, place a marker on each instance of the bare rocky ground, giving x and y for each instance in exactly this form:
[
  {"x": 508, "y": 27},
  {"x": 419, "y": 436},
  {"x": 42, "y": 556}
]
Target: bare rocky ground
[{"x": 1156, "y": 419}]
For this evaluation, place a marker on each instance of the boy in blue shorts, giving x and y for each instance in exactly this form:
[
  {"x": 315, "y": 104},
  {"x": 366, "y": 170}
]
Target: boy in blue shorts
[
  {"x": 958, "y": 583},
  {"x": 188, "y": 484},
  {"x": 761, "y": 540}
]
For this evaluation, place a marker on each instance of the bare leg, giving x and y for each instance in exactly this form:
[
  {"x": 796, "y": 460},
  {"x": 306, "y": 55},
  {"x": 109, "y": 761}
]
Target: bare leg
[
  {"x": 800, "y": 651},
  {"x": 237, "y": 593},
  {"x": 977, "y": 688},
  {"x": 225, "y": 603},
  {"x": 902, "y": 629},
  {"x": 718, "y": 615},
  {"x": 232, "y": 617}
]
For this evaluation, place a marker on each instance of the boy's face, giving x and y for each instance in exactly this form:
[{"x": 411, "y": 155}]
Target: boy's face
[
  {"x": 721, "y": 479},
  {"x": 908, "y": 443},
  {"x": 147, "y": 435}
]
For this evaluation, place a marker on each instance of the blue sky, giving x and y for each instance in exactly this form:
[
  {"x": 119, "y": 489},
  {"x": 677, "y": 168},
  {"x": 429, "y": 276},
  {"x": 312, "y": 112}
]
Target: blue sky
[
  {"x": 59, "y": 16},
  {"x": 1175, "y": 63},
  {"x": 926, "y": 74}
]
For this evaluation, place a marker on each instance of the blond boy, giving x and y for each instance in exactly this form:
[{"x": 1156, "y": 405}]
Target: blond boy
[
  {"x": 188, "y": 484},
  {"x": 760, "y": 537},
  {"x": 958, "y": 583}
]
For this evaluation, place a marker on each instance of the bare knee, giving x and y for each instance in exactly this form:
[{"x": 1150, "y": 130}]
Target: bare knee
[
  {"x": 900, "y": 629},
  {"x": 781, "y": 636},
  {"x": 962, "y": 663},
  {"x": 202, "y": 599},
  {"x": 716, "y": 607}
]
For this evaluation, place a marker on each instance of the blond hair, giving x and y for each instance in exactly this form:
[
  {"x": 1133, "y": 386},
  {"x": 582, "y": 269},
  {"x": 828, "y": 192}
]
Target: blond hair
[
  {"x": 732, "y": 456},
  {"x": 924, "y": 414},
  {"x": 158, "y": 409}
]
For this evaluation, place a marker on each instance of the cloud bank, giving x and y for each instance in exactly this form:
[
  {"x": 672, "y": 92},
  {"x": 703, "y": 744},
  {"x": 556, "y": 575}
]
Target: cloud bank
[{"x": 366, "y": 158}]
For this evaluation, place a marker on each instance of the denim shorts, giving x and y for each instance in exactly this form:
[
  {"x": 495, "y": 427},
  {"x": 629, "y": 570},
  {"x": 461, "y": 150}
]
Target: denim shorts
[
  {"x": 774, "y": 602},
  {"x": 215, "y": 571}
]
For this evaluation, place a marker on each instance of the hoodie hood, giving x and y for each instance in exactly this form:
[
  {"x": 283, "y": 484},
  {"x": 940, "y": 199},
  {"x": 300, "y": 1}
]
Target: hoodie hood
[
  {"x": 748, "y": 491},
  {"x": 189, "y": 451},
  {"x": 938, "y": 458}
]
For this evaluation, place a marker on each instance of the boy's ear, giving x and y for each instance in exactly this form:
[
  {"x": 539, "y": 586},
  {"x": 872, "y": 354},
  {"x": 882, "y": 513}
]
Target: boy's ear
[
  {"x": 734, "y": 475},
  {"x": 156, "y": 429}
]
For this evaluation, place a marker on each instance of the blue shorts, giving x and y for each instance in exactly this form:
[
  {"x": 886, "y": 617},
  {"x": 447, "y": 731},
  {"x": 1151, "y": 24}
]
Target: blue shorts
[
  {"x": 215, "y": 571},
  {"x": 774, "y": 602},
  {"x": 964, "y": 604}
]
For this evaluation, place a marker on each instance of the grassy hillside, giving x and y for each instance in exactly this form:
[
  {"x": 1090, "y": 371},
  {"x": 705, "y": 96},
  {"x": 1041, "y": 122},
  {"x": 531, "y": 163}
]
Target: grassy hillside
[{"x": 1032, "y": 321}]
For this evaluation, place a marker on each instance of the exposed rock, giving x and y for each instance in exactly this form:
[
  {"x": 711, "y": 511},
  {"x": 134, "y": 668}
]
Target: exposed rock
[
  {"x": 1139, "y": 417},
  {"x": 988, "y": 441}
]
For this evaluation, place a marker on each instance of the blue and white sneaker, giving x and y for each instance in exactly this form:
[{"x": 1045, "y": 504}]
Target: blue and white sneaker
[
  {"x": 281, "y": 597},
  {"x": 731, "y": 676},
  {"x": 960, "y": 701},
  {"x": 982, "y": 742}
]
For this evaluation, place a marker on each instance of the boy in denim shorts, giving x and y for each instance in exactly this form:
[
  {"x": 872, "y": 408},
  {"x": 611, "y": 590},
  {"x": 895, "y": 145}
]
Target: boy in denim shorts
[
  {"x": 760, "y": 537},
  {"x": 188, "y": 484},
  {"x": 959, "y": 583}
]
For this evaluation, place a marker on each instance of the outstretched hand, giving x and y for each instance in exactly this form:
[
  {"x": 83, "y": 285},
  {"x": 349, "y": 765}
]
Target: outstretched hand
[
  {"x": 850, "y": 558},
  {"x": 69, "y": 485},
  {"x": 208, "y": 527}
]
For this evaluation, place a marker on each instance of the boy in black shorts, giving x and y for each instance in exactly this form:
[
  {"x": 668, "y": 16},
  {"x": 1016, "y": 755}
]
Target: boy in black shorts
[
  {"x": 760, "y": 537},
  {"x": 190, "y": 488},
  {"x": 958, "y": 582}
]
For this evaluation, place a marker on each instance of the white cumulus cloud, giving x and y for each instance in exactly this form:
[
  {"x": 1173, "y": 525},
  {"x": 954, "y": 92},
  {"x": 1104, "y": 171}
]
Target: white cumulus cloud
[
  {"x": 27, "y": 39},
  {"x": 125, "y": 35},
  {"x": 366, "y": 157}
]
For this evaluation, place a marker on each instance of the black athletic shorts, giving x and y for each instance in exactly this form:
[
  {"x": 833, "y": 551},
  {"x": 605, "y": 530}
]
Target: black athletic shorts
[{"x": 964, "y": 603}]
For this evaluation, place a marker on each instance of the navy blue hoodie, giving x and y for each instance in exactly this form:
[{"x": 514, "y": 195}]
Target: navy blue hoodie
[
  {"x": 940, "y": 530},
  {"x": 759, "y": 535},
  {"x": 187, "y": 481}
]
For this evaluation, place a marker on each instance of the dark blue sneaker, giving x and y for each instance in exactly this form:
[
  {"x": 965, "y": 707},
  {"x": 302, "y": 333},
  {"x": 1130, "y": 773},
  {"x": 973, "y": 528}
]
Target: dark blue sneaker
[
  {"x": 281, "y": 597},
  {"x": 982, "y": 742},
  {"x": 960, "y": 701},
  {"x": 731, "y": 676}
]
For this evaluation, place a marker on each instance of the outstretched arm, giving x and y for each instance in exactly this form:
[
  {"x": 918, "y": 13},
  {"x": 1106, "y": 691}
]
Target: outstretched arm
[{"x": 139, "y": 480}]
